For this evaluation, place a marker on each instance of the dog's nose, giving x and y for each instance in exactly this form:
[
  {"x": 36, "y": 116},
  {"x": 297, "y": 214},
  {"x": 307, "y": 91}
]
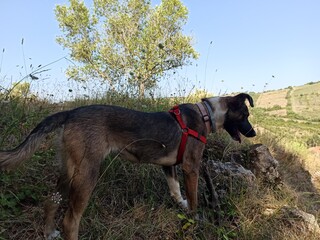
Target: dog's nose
[{"x": 251, "y": 133}]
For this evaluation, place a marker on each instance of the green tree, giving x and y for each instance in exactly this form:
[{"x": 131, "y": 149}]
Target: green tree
[
  {"x": 20, "y": 89},
  {"x": 126, "y": 43}
]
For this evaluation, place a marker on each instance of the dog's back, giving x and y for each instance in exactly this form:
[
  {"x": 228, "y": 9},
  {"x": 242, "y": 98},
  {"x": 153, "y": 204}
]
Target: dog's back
[{"x": 111, "y": 127}]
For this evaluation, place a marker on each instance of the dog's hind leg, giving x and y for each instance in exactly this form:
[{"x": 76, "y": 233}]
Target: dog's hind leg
[
  {"x": 83, "y": 181},
  {"x": 174, "y": 186},
  {"x": 83, "y": 168},
  {"x": 50, "y": 210},
  {"x": 52, "y": 204}
]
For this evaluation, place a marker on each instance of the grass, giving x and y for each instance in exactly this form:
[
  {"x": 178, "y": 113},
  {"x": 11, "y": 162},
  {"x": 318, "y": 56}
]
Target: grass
[
  {"x": 306, "y": 101},
  {"x": 300, "y": 124},
  {"x": 298, "y": 130},
  {"x": 132, "y": 201}
]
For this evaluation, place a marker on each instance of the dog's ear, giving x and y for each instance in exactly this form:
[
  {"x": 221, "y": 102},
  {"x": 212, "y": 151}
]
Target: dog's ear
[{"x": 241, "y": 98}]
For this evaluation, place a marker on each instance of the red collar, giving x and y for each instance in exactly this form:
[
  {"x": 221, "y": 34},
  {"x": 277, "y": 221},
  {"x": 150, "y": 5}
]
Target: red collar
[{"x": 185, "y": 133}]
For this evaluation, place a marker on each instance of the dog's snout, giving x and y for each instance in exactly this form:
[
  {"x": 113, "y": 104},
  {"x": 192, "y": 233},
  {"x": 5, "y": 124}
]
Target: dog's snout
[
  {"x": 251, "y": 133},
  {"x": 246, "y": 129}
]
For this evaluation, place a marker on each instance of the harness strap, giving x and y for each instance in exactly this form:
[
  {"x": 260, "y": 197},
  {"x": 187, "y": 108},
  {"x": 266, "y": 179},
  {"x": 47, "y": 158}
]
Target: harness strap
[{"x": 185, "y": 133}]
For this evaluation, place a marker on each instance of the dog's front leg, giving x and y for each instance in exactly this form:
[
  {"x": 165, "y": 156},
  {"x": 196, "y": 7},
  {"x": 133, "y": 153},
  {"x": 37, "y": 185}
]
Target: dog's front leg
[
  {"x": 191, "y": 184},
  {"x": 190, "y": 167},
  {"x": 174, "y": 186}
]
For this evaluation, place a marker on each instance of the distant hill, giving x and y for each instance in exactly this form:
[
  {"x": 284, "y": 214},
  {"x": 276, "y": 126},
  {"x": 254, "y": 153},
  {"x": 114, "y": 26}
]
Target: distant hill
[
  {"x": 302, "y": 102},
  {"x": 292, "y": 117}
]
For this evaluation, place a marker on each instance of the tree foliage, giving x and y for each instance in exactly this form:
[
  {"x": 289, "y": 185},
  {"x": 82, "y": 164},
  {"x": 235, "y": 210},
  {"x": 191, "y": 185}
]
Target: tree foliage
[
  {"x": 126, "y": 43},
  {"x": 20, "y": 89}
]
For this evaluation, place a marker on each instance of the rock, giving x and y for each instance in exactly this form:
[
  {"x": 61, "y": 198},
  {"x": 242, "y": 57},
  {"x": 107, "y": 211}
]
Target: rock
[
  {"x": 286, "y": 217},
  {"x": 305, "y": 222},
  {"x": 219, "y": 179},
  {"x": 263, "y": 164},
  {"x": 229, "y": 170},
  {"x": 316, "y": 179}
]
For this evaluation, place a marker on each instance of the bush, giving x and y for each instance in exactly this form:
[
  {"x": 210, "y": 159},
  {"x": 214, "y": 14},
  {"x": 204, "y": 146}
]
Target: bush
[{"x": 313, "y": 141}]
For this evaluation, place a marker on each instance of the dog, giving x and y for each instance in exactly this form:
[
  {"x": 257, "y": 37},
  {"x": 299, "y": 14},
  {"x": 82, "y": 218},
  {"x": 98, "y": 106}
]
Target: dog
[{"x": 89, "y": 133}]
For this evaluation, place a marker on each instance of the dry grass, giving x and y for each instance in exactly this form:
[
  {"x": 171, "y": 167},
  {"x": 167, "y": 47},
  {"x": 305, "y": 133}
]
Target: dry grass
[
  {"x": 280, "y": 112},
  {"x": 306, "y": 100},
  {"x": 261, "y": 210},
  {"x": 271, "y": 99}
]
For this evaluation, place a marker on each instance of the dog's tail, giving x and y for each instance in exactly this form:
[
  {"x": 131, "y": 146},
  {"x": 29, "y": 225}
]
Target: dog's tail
[{"x": 12, "y": 158}]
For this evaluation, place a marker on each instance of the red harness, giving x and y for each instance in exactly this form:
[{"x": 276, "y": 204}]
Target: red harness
[{"x": 185, "y": 133}]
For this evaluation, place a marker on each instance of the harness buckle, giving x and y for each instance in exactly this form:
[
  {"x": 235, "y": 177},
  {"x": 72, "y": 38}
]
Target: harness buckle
[
  {"x": 206, "y": 118},
  {"x": 177, "y": 111}
]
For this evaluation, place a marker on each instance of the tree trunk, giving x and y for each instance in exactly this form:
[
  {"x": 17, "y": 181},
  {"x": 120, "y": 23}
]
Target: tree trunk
[{"x": 141, "y": 90}]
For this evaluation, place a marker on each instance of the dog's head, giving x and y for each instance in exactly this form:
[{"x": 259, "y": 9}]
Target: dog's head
[
  {"x": 236, "y": 118},
  {"x": 231, "y": 114}
]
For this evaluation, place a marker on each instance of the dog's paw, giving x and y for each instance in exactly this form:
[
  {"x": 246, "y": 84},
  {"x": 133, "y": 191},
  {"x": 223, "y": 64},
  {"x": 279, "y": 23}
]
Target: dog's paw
[
  {"x": 53, "y": 235},
  {"x": 184, "y": 204}
]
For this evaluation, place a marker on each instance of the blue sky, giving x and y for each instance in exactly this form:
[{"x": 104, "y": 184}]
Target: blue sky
[{"x": 251, "y": 41}]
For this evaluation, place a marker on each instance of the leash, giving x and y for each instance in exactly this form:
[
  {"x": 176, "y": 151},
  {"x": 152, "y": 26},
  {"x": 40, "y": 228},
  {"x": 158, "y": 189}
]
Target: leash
[{"x": 185, "y": 133}]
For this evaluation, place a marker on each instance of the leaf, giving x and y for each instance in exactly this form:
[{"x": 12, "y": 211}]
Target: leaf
[
  {"x": 181, "y": 216},
  {"x": 191, "y": 221},
  {"x": 186, "y": 226}
]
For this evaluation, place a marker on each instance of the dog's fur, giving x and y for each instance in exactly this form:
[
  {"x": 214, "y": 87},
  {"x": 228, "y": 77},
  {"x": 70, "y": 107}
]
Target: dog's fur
[{"x": 90, "y": 133}]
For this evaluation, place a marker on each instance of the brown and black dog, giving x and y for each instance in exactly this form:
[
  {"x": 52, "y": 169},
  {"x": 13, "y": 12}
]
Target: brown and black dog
[{"x": 89, "y": 133}]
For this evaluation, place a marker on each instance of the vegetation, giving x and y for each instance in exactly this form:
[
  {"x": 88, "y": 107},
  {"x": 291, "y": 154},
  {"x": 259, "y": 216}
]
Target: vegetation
[
  {"x": 126, "y": 43},
  {"x": 291, "y": 117},
  {"x": 132, "y": 202}
]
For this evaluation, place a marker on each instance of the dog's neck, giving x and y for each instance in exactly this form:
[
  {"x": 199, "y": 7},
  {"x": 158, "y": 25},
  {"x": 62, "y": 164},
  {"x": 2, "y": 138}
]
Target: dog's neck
[
  {"x": 207, "y": 116},
  {"x": 213, "y": 113}
]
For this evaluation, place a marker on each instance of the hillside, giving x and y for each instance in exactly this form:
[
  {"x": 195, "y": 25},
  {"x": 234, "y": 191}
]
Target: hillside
[
  {"x": 292, "y": 117},
  {"x": 291, "y": 113},
  {"x": 302, "y": 102}
]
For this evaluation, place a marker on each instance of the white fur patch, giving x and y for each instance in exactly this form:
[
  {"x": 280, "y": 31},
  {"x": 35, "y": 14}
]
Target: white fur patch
[
  {"x": 219, "y": 111},
  {"x": 53, "y": 235},
  {"x": 175, "y": 191},
  {"x": 184, "y": 204}
]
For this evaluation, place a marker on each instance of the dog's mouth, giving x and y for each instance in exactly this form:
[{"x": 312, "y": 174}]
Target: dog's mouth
[
  {"x": 236, "y": 136},
  {"x": 236, "y": 132}
]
